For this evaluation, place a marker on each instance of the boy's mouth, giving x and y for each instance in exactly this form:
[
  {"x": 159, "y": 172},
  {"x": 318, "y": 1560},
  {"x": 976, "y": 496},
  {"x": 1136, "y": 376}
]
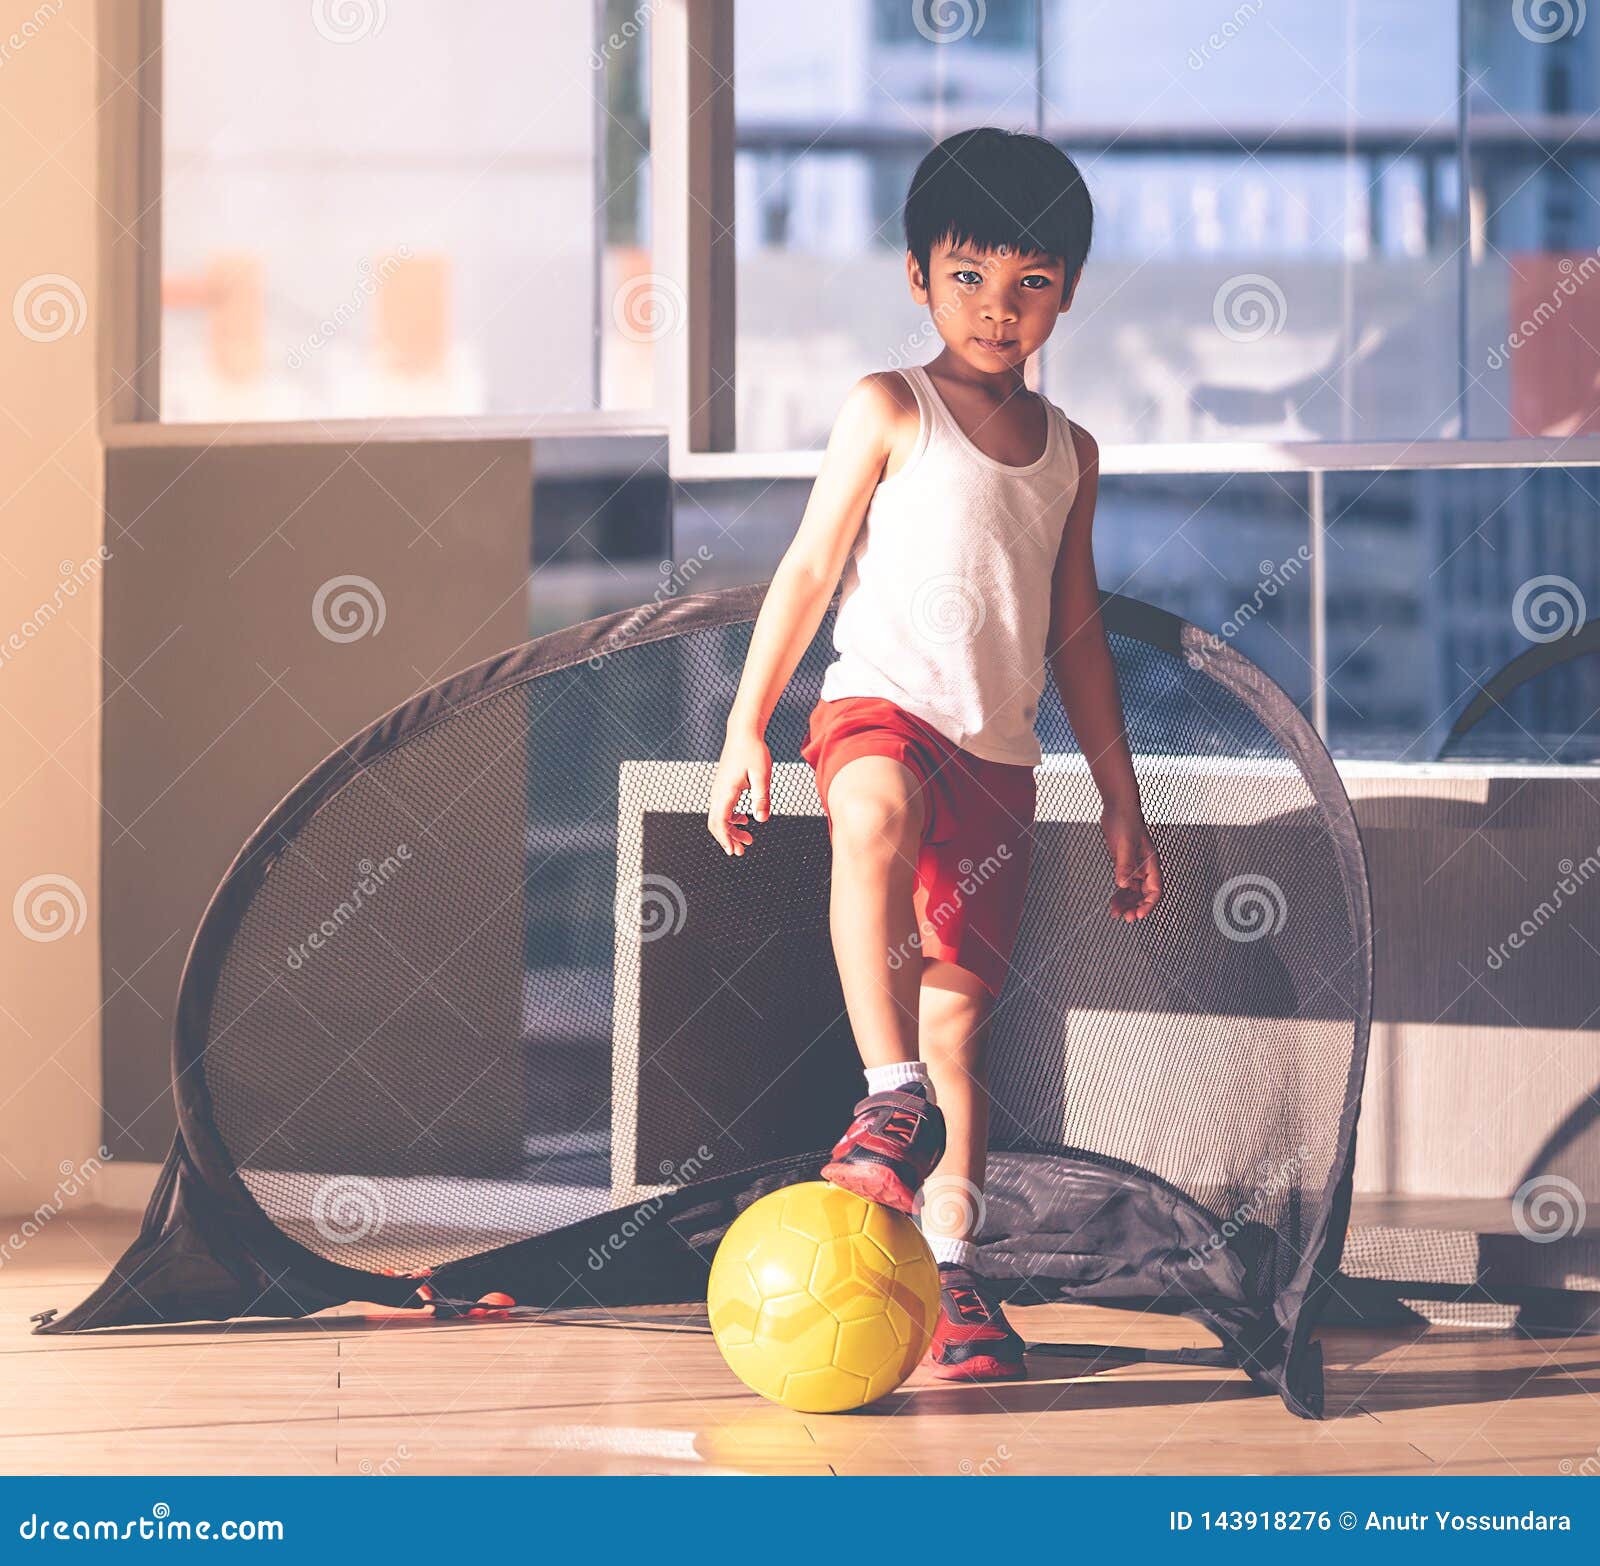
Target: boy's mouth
[{"x": 996, "y": 344}]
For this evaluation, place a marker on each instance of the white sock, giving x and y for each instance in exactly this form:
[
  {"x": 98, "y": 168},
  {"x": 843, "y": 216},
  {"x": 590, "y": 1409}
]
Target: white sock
[
  {"x": 954, "y": 1253},
  {"x": 881, "y": 1079}
]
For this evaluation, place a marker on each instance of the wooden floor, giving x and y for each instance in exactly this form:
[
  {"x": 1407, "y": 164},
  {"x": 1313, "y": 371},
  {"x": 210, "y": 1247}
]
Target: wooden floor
[{"x": 368, "y": 1394}]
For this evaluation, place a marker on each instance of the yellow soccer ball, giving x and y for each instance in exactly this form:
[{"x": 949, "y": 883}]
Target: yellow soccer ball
[{"x": 820, "y": 1300}]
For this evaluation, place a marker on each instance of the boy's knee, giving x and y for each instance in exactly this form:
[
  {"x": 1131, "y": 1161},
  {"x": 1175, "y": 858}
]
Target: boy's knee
[{"x": 873, "y": 816}]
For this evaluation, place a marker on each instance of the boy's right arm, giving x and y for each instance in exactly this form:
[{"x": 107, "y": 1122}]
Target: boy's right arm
[{"x": 797, "y": 599}]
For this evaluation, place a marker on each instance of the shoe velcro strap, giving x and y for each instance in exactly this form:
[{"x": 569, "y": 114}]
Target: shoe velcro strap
[{"x": 892, "y": 1099}]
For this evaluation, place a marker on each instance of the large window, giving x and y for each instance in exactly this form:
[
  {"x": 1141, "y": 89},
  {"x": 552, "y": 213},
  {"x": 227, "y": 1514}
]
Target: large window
[
  {"x": 1283, "y": 250},
  {"x": 375, "y": 209}
]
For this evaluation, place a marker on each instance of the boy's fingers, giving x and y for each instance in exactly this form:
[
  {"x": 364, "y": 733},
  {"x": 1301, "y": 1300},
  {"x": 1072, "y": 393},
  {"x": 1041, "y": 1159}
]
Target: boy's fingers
[
  {"x": 1152, "y": 886},
  {"x": 719, "y": 817},
  {"x": 1153, "y": 879}
]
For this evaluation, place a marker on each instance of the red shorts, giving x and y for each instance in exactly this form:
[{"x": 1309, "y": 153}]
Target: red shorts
[{"x": 977, "y": 834}]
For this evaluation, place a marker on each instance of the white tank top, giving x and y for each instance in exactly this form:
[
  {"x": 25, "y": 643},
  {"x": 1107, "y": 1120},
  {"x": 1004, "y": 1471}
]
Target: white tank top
[{"x": 945, "y": 603}]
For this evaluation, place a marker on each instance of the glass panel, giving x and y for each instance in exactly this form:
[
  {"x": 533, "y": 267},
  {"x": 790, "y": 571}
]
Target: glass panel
[
  {"x": 1439, "y": 580},
  {"x": 1277, "y": 208},
  {"x": 1231, "y": 554},
  {"x": 602, "y": 530},
  {"x": 1534, "y": 156},
  {"x": 1276, "y": 195},
  {"x": 363, "y": 215}
]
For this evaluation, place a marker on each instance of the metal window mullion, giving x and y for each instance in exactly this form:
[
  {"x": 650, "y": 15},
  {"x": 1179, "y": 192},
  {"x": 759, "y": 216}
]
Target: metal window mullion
[
  {"x": 130, "y": 193},
  {"x": 599, "y": 118},
  {"x": 1316, "y": 515},
  {"x": 692, "y": 148},
  {"x": 1464, "y": 222}
]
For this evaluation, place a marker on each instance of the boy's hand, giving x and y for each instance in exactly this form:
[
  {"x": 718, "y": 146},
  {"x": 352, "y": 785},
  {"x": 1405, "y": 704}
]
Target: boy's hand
[
  {"x": 745, "y": 762},
  {"x": 1138, "y": 867}
]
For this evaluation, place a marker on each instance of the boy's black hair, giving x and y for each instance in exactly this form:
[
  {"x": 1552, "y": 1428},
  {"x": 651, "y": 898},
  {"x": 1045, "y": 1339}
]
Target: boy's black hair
[{"x": 990, "y": 188}]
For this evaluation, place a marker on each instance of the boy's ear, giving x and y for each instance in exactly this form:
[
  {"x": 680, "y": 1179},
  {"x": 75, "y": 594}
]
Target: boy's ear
[
  {"x": 1072, "y": 288},
  {"x": 919, "y": 283}
]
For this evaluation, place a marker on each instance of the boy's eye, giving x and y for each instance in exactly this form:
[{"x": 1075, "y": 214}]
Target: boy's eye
[
  {"x": 969, "y": 278},
  {"x": 1035, "y": 282}
]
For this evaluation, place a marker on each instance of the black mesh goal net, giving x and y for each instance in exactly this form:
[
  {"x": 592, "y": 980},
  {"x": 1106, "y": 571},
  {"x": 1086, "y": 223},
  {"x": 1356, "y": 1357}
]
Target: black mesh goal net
[{"x": 483, "y": 1000}]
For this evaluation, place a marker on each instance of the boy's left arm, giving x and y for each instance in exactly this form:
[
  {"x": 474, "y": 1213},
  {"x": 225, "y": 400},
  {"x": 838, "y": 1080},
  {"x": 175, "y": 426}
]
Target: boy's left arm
[{"x": 1086, "y": 676}]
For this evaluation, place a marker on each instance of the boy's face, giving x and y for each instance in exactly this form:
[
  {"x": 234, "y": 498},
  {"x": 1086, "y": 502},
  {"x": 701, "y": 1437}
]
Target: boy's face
[{"x": 992, "y": 307}]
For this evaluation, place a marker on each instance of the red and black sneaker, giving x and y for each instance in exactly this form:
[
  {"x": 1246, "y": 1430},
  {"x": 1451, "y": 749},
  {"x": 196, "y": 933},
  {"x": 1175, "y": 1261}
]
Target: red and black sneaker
[
  {"x": 893, "y": 1143},
  {"x": 972, "y": 1340}
]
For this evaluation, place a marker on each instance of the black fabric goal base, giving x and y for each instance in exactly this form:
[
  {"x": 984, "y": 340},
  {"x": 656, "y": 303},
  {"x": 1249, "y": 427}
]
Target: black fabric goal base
[{"x": 1096, "y": 1234}]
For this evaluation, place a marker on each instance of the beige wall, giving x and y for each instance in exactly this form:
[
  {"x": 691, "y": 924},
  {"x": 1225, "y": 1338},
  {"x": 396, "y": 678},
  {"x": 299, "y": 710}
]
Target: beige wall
[{"x": 50, "y": 538}]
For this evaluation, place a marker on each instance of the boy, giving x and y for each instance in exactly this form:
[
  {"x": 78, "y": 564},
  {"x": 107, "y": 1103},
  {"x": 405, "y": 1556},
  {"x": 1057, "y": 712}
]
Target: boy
[{"x": 958, "y": 505}]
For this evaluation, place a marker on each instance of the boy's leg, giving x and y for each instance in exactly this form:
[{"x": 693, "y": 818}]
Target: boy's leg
[
  {"x": 955, "y": 1008},
  {"x": 877, "y": 814},
  {"x": 972, "y": 1339}
]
